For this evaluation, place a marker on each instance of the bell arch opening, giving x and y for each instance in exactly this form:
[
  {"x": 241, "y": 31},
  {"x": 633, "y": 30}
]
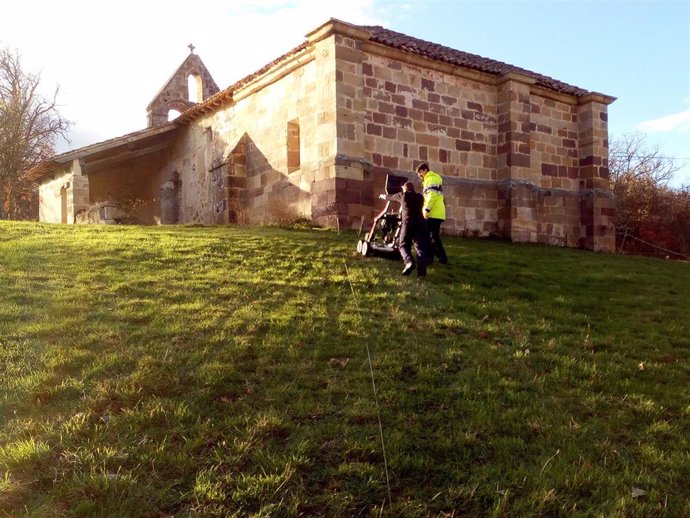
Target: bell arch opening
[{"x": 195, "y": 88}]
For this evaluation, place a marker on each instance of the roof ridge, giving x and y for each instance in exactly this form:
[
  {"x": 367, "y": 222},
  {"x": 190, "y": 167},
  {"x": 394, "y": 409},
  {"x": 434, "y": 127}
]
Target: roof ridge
[
  {"x": 427, "y": 42},
  {"x": 402, "y": 41},
  {"x": 439, "y": 52}
]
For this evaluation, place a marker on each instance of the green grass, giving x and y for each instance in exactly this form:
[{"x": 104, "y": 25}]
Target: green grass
[{"x": 223, "y": 371}]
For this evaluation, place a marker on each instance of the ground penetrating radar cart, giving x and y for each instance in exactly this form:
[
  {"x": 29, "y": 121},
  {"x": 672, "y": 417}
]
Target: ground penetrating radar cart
[{"x": 383, "y": 238}]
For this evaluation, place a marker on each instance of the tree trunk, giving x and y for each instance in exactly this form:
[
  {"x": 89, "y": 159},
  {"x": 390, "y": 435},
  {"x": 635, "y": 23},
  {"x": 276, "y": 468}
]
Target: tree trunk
[
  {"x": 10, "y": 205},
  {"x": 2, "y": 200}
]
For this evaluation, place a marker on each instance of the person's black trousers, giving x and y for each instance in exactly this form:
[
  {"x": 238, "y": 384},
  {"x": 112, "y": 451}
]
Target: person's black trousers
[
  {"x": 418, "y": 233},
  {"x": 436, "y": 246}
]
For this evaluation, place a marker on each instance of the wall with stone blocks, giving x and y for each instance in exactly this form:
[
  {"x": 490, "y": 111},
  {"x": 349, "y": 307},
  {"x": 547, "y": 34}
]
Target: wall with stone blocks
[
  {"x": 413, "y": 114},
  {"x": 175, "y": 93},
  {"x": 554, "y": 143},
  {"x": 517, "y": 161},
  {"x": 233, "y": 163}
]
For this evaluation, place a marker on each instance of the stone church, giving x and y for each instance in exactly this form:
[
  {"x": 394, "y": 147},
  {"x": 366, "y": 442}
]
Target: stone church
[{"x": 316, "y": 131}]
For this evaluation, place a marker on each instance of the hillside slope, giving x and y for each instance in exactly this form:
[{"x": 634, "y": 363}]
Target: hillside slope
[{"x": 224, "y": 371}]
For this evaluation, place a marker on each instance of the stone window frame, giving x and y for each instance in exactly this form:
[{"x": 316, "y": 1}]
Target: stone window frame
[{"x": 293, "y": 146}]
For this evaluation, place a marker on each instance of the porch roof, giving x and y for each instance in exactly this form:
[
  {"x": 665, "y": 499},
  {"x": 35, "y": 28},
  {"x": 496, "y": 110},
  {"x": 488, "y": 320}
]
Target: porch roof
[{"x": 110, "y": 152}]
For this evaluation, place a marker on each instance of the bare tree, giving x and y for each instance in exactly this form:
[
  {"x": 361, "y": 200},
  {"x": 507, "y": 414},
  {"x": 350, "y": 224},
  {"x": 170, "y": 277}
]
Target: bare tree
[
  {"x": 632, "y": 158},
  {"x": 29, "y": 126},
  {"x": 647, "y": 209}
]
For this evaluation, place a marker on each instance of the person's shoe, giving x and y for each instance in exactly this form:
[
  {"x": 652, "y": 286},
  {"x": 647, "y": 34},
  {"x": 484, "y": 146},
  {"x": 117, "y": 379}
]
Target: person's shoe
[{"x": 408, "y": 268}]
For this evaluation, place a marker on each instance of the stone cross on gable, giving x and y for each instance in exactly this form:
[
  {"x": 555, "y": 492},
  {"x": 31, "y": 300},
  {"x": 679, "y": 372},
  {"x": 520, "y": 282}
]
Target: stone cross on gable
[{"x": 191, "y": 48}]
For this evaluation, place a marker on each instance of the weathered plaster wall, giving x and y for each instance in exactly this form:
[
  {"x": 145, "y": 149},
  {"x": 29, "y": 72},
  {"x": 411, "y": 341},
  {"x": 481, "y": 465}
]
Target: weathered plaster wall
[
  {"x": 63, "y": 194},
  {"x": 50, "y": 199}
]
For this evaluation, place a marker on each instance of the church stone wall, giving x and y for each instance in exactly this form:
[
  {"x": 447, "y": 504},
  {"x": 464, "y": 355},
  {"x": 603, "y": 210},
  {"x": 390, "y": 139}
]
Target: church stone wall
[
  {"x": 518, "y": 161},
  {"x": 315, "y": 134},
  {"x": 233, "y": 164}
]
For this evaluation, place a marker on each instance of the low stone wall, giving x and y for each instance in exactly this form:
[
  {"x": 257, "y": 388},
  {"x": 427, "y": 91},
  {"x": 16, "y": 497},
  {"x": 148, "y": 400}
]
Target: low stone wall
[{"x": 105, "y": 213}]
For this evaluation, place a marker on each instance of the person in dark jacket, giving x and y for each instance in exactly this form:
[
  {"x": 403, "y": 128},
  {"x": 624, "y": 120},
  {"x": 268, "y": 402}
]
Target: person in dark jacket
[{"x": 412, "y": 229}]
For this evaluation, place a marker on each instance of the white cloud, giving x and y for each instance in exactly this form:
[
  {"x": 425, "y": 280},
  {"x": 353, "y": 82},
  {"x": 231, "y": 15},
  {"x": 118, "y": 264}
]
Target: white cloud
[
  {"x": 676, "y": 122},
  {"x": 111, "y": 59}
]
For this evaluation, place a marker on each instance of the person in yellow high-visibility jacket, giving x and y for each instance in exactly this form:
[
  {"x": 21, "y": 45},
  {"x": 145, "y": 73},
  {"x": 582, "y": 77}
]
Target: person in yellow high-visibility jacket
[{"x": 434, "y": 210}]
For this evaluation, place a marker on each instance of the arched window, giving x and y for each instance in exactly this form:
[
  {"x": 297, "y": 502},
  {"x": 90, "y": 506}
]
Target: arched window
[
  {"x": 195, "y": 88},
  {"x": 173, "y": 114}
]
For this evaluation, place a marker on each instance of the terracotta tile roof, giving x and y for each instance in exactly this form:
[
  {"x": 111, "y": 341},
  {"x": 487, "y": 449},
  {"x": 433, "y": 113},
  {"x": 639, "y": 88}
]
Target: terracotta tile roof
[{"x": 438, "y": 52}]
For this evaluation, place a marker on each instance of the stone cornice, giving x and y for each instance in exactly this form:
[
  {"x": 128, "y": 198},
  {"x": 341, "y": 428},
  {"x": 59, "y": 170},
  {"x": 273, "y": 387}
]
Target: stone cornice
[
  {"x": 597, "y": 192},
  {"x": 516, "y": 77},
  {"x": 335, "y": 26},
  {"x": 540, "y": 91},
  {"x": 596, "y": 98},
  {"x": 280, "y": 71}
]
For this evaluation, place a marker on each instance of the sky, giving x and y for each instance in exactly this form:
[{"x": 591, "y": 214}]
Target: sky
[{"x": 109, "y": 59}]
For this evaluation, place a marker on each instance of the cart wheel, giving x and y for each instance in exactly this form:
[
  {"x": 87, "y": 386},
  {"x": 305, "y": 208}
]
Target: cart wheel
[
  {"x": 365, "y": 249},
  {"x": 359, "y": 246}
]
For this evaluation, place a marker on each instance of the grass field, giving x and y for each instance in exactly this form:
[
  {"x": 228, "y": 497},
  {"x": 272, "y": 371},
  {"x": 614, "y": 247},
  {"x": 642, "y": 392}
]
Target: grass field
[{"x": 223, "y": 371}]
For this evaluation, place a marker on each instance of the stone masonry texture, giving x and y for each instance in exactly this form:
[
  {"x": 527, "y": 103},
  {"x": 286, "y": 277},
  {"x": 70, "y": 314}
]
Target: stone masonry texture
[{"x": 523, "y": 156}]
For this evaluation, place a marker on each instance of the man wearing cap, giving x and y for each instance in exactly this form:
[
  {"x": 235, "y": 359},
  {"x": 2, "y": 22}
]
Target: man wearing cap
[{"x": 434, "y": 210}]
